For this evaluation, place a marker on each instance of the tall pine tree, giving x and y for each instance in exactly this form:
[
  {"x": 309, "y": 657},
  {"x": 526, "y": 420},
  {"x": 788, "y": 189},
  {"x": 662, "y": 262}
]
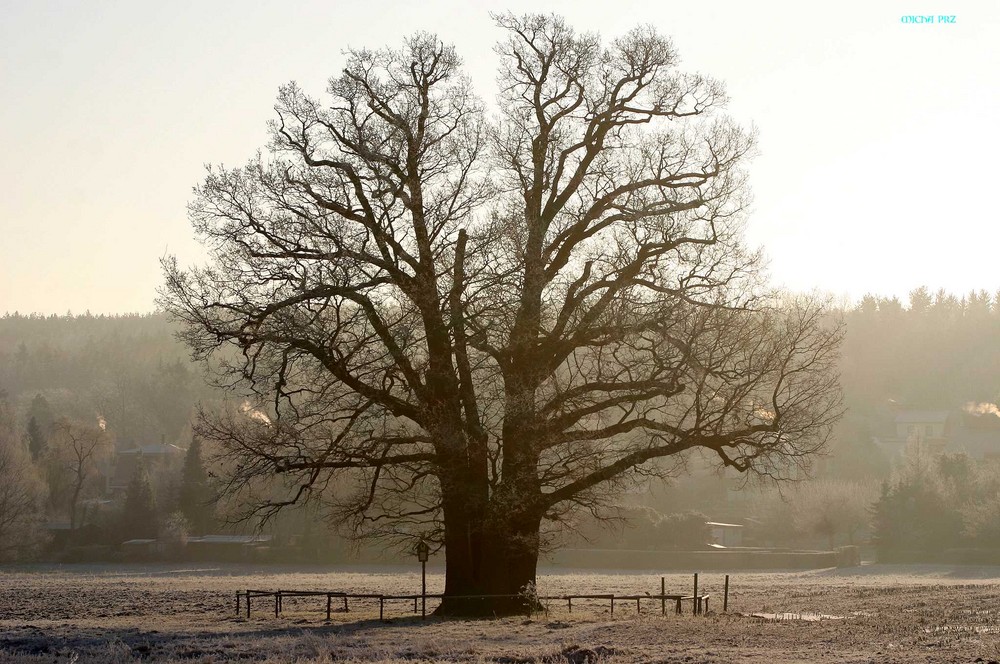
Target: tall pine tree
[
  {"x": 37, "y": 440},
  {"x": 139, "y": 516},
  {"x": 39, "y": 429},
  {"x": 195, "y": 496}
]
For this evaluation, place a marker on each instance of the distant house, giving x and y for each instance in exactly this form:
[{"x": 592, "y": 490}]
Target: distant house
[
  {"x": 933, "y": 432},
  {"x": 154, "y": 456},
  {"x": 978, "y": 437},
  {"x": 725, "y": 534},
  {"x": 917, "y": 433},
  {"x": 232, "y": 548},
  {"x": 227, "y": 547}
]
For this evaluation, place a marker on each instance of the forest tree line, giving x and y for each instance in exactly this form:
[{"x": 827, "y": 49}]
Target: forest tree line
[{"x": 126, "y": 381}]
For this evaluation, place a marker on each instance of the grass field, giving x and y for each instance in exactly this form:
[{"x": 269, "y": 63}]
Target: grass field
[{"x": 876, "y": 613}]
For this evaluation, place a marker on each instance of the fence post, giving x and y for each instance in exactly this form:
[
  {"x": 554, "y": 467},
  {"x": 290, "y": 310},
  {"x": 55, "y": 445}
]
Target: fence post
[
  {"x": 695, "y": 602},
  {"x": 612, "y": 605},
  {"x": 663, "y": 596},
  {"x": 248, "y": 604},
  {"x": 237, "y": 603},
  {"x": 725, "y": 596},
  {"x": 328, "y": 600}
]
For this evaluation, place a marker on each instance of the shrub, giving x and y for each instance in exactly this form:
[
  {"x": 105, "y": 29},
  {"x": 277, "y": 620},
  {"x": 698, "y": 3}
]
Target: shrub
[
  {"x": 933, "y": 505},
  {"x": 684, "y": 530}
]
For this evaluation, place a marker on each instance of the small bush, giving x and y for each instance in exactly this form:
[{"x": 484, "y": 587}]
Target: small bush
[{"x": 685, "y": 531}]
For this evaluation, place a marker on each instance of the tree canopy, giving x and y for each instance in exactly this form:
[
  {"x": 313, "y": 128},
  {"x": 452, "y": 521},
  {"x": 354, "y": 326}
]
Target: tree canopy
[{"x": 455, "y": 325}]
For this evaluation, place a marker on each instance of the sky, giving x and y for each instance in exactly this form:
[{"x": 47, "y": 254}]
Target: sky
[{"x": 878, "y": 137}]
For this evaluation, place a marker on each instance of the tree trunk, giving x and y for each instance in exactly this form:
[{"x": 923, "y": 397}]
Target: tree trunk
[
  {"x": 72, "y": 505},
  {"x": 491, "y": 573}
]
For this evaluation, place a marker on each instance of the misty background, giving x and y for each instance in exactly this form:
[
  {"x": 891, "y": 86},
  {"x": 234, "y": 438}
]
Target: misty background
[{"x": 931, "y": 355}]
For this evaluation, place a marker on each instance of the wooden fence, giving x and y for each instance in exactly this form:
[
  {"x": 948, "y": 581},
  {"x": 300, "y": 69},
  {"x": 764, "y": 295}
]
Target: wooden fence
[{"x": 699, "y": 601}]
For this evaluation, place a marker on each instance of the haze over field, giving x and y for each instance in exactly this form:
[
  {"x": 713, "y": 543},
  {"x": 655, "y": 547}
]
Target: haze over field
[{"x": 111, "y": 111}]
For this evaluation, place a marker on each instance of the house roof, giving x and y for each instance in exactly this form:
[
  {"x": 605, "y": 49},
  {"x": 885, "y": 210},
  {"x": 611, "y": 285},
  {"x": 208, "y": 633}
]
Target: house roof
[
  {"x": 230, "y": 539},
  {"x": 154, "y": 450},
  {"x": 127, "y": 461},
  {"x": 986, "y": 421},
  {"x": 977, "y": 442}
]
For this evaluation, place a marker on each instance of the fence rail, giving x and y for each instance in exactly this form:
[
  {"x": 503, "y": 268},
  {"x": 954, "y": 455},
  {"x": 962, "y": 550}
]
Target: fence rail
[{"x": 699, "y": 601}]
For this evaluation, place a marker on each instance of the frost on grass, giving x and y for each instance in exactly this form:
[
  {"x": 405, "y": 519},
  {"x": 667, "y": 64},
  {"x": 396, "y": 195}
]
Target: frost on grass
[{"x": 177, "y": 614}]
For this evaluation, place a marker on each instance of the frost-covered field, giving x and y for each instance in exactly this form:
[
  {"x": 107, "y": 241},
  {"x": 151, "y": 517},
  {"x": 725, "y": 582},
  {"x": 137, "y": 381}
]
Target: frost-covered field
[{"x": 187, "y": 613}]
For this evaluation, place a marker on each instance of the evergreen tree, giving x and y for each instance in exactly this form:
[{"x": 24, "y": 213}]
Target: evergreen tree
[
  {"x": 40, "y": 422},
  {"x": 918, "y": 512},
  {"x": 36, "y": 439},
  {"x": 195, "y": 497},
  {"x": 139, "y": 516}
]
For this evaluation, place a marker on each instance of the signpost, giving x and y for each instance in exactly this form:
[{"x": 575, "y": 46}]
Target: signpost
[{"x": 423, "y": 553}]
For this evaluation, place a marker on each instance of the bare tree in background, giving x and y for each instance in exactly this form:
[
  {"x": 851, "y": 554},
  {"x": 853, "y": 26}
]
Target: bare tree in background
[
  {"x": 74, "y": 455},
  {"x": 458, "y": 326},
  {"x": 832, "y": 508},
  {"x": 22, "y": 493}
]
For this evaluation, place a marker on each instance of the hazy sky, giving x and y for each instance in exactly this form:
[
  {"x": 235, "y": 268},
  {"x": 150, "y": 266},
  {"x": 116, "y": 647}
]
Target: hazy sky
[{"x": 879, "y": 139}]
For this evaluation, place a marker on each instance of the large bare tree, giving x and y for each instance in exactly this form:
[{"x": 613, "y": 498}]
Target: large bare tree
[
  {"x": 457, "y": 325},
  {"x": 74, "y": 459}
]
